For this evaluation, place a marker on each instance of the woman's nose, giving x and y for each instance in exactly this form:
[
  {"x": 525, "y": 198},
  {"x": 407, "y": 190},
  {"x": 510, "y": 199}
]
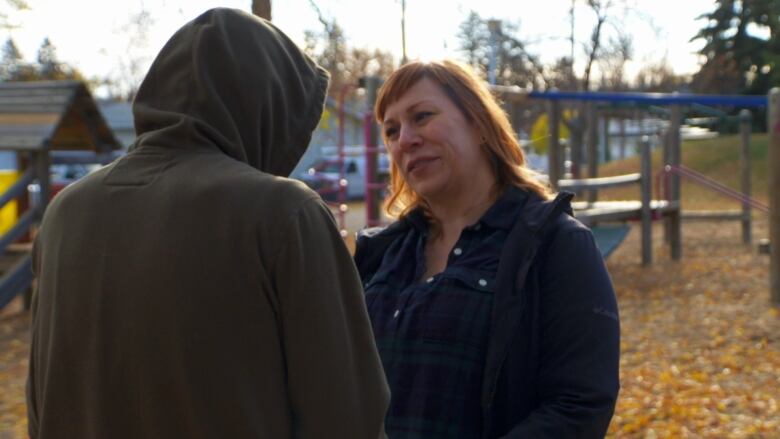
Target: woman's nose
[{"x": 408, "y": 137}]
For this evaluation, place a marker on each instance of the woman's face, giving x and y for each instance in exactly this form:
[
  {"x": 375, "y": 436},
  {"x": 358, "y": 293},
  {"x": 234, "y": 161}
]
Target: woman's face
[{"x": 434, "y": 146}]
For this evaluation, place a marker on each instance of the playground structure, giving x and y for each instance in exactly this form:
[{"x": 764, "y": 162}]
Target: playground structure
[
  {"x": 44, "y": 123},
  {"x": 592, "y": 212},
  {"x": 374, "y": 180}
]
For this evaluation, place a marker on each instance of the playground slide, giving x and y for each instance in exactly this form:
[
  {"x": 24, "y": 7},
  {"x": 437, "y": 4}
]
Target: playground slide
[{"x": 608, "y": 238}]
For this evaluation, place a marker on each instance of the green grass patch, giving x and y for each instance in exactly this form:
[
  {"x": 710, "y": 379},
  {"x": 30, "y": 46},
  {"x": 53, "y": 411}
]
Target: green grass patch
[{"x": 716, "y": 158}]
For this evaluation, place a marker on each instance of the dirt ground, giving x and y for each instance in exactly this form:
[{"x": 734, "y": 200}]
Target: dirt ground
[{"x": 700, "y": 342}]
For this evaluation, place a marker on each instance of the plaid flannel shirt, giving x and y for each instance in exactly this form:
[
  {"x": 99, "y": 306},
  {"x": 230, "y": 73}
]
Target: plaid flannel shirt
[{"x": 432, "y": 333}]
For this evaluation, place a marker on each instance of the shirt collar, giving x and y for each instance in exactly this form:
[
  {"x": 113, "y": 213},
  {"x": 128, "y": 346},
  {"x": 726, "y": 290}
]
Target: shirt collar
[{"x": 501, "y": 215}]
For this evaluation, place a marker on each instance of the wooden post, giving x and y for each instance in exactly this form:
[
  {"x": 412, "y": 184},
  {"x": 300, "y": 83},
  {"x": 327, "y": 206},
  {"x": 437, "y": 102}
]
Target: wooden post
[
  {"x": 744, "y": 163},
  {"x": 675, "y": 223},
  {"x": 592, "y": 133},
  {"x": 647, "y": 190},
  {"x": 666, "y": 139},
  {"x": 262, "y": 8},
  {"x": 622, "y": 138},
  {"x": 577, "y": 126},
  {"x": 773, "y": 125},
  {"x": 554, "y": 146},
  {"x": 605, "y": 132},
  {"x": 41, "y": 163}
]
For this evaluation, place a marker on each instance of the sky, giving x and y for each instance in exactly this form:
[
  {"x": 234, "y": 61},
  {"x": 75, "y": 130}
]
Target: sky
[{"x": 88, "y": 33}]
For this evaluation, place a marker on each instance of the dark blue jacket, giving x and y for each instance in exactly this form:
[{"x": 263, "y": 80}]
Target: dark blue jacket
[{"x": 551, "y": 369}]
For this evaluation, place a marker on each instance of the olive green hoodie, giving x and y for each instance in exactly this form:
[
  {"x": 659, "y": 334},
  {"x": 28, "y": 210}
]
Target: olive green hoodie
[{"x": 188, "y": 290}]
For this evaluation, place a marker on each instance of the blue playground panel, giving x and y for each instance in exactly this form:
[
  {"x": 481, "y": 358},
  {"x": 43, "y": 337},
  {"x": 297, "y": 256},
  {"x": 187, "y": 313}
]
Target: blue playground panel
[
  {"x": 654, "y": 98},
  {"x": 608, "y": 238},
  {"x": 8, "y": 160}
]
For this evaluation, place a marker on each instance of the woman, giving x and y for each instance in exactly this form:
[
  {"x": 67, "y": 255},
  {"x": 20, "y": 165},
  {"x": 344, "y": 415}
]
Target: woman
[{"x": 492, "y": 309}]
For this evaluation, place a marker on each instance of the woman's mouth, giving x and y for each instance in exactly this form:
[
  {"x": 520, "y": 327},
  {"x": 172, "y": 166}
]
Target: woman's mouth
[{"x": 419, "y": 164}]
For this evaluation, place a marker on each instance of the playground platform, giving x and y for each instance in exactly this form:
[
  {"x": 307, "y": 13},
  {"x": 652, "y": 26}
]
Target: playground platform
[{"x": 590, "y": 213}]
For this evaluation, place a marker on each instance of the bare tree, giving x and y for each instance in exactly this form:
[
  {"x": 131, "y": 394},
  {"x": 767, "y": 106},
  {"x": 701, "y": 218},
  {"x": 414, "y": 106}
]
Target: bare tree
[
  {"x": 608, "y": 22},
  {"x": 560, "y": 75},
  {"x": 130, "y": 65},
  {"x": 5, "y": 11},
  {"x": 331, "y": 54},
  {"x": 346, "y": 65},
  {"x": 593, "y": 48},
  {"x": 659, "y": 77},
  {"x": 608, "y": 44},
  {"x": 613, "y": 63},
  {"x": 262, "y": 8}
]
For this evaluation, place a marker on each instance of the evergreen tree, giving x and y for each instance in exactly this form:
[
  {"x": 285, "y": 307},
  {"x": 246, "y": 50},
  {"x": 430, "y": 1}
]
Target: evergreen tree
[
  {"x": 514, "y": 63},
  {"x": 474, "y": 40},
  {"x": 11, "y": 58},
  {"x": 49, "y": 66},
  {"x": 13, "y": 67},
  {"x": 738, "y": 60}
]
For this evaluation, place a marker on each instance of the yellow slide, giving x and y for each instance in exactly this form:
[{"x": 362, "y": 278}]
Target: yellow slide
[{"x": 8, "y": 214}]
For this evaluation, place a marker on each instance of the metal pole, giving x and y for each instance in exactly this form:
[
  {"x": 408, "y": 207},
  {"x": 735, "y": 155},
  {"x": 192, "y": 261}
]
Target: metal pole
[
  {"x": 342, "y": 183},
  {"x": 403, "y": 32},
  {"x": 773, "y": 125},
  {"x": 373, "y": 188},
  {"x": 744, "y": 162},
  {"x": 571, "y": 42},
  {"x": 675, "y": 223},
  {"x": 554, "y": 146},
  {"x": 647, "y": 189},
  {"x": 494, "y": 26}
]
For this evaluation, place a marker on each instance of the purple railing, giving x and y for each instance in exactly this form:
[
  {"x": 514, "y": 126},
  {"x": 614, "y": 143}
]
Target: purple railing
[{"x": 716, "y": 186}]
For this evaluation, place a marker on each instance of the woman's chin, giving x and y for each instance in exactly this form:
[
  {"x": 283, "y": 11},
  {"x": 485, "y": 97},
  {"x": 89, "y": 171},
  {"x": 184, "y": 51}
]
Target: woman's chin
[{"x": 431, "y": 190}]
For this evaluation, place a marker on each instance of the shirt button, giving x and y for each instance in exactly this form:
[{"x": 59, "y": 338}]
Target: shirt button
[
  {"x": 429, "y": 280},
  {"x": 482, "y": 282},
  {"x": 395, "y": 314},
  {"x": 457, "y": 251},
  {"x": 478, "y": 226}
]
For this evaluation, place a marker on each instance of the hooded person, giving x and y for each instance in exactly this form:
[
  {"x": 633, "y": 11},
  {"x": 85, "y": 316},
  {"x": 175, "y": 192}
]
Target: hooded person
[{"x": 189, "y": 289}]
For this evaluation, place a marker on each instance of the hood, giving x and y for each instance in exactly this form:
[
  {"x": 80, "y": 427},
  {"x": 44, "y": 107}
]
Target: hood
[{"x": 232, "y": 81}]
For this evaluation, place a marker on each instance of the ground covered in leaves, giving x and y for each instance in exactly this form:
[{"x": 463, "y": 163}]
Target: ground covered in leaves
[
  {"x": 700, "y": 342},
  {"x": 14, "y": 349}
]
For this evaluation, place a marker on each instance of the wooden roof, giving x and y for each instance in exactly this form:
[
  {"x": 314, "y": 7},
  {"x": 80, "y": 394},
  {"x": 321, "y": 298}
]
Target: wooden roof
[{"x": 56, "y": 115}]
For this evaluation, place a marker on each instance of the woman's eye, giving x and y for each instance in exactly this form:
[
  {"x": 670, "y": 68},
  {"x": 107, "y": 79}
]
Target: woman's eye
[
  {"x": 421, "y": 116},
  {"x": 391, "y": 132}
]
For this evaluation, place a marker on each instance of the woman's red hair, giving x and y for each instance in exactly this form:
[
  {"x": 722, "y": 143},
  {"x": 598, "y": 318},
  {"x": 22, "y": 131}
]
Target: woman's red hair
[{"x": 471, "y": 95}]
